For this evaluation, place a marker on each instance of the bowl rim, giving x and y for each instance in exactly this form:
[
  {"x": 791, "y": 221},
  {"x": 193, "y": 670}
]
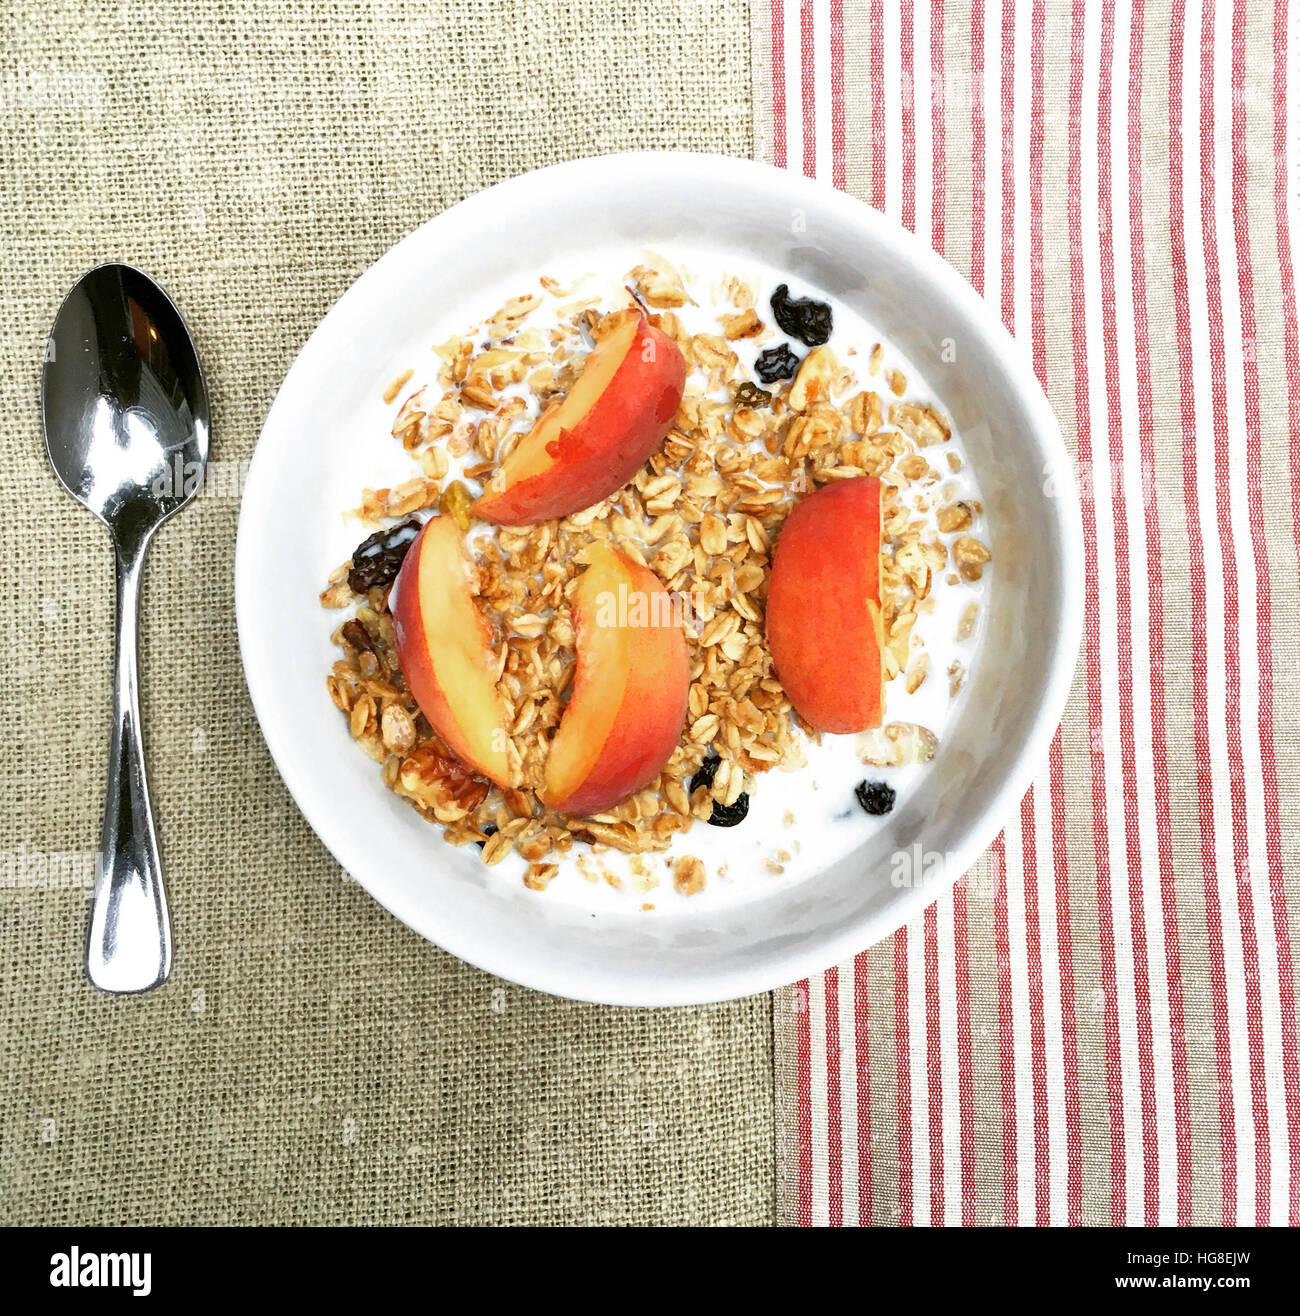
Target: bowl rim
[{"x": 578, "y": 981}]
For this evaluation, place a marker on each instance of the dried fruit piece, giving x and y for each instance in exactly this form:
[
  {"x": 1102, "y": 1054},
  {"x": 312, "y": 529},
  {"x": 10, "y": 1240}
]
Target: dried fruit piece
[
  {"x": 455, "y": 502},
  {"x": 728, "y": 815},
  {"x": 377, "y": 560},
  {"x": 750, "y": 395},
  {"x": 776, "y": 363},
  {"x": 876, "y": 797},
  {"x": 357, "y": 636},
  {"x": 705, "y": 773},
  {"x": 723, "y": 815},
  {"x": 803, "y": 318},
  {"x": 813, "y": 381}
]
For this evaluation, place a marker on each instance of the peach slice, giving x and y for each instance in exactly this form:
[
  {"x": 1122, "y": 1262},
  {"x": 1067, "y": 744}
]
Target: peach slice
[
  {"x": 590, "y": 445},
  {"x": 628, "y": 706},
  {"x": 446, "y": 651},
  {"x": 823, "y": 607}
]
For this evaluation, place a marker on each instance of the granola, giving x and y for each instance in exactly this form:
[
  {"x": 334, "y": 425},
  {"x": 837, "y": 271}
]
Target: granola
[{"x": 702, "y": 514}]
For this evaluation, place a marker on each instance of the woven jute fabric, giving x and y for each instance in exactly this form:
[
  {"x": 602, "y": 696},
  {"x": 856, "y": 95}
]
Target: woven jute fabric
[
  {"x": 1098, "y": 1024},
  {"x": 311, "y": 1060}
]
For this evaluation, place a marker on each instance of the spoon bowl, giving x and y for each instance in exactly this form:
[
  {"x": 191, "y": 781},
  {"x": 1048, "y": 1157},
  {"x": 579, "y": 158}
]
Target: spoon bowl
[{"x": 125, "y": 414}]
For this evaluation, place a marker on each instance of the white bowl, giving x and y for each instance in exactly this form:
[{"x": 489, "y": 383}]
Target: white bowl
[{"x": 290, "y": 532}]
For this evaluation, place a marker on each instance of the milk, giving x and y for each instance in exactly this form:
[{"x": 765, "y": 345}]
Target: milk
[{"x": 801, "y": 819}]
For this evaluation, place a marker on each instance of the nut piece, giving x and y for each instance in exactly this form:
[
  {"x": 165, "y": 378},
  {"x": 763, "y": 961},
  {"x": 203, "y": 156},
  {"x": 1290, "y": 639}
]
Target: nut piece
[
  {"x": 897, "y": 745},
  {"x": 812, "y": 383},
  {"x": 953, "y": 517},
  {"x": 397, "y": 728},
  {"x": 658, "y": 288},
  {"x": 969, "y": 556},
  {"x": 966, "y": 623},
  {"x": 744, "y": 325},
  {"x": 441, "y": 784},
  {"x": 688, "y": 875}
]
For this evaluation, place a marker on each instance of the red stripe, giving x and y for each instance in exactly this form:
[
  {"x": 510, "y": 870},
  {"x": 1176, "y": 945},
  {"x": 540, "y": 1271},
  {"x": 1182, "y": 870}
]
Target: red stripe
[
  {"x": 1124, "y": 647},
  {"x": 1037, "y": 1038},
  {"x": 907, "y": 92},
  {"x": 808, "y": 89},
  {"x": 934, "y": 1024},
  {"x": 778, "y": 84},
  {"x": 903, "y": 1085},
  {"x": 1006, "y": 1042},
  {"x": 977, "y": 146},
  {"x": 1038, "y": 316},
  {"x": 961, "y": 953},
  {"x": 1259, "y": 553},
  {"x": 803, "y": 1107},
  {"x": 1277, "y": 889},
  {"x": 934, "y": 1062},
  {"x": 834, "y": 1127},
  {"x": 1200, "y": 716},
  {"x": 939, "y": 163},
  {"x": 1156, "y": 629},
  {"x": 1255, "y": 1032},
  {"x": 1069, "y": 1020},
  {"x": 1228, "y": 552},
  {"x": 1028, "y": 824},
  {"x": 1001, "y": 939},
  {"x": 965, "y": 1066},
  {"x": 1259, "y": 543},
  {"x": 838, "y": 172},
  {"x": 1092, "y": 628},
  {"x": 878, "y": 143},
  {"x": 862, "y": 1040},
  {"x": 1008, "y": 164}
]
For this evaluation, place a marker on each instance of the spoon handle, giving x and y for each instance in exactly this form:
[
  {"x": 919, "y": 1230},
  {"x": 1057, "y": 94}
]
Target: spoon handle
[{"x": 129, "y": 946}]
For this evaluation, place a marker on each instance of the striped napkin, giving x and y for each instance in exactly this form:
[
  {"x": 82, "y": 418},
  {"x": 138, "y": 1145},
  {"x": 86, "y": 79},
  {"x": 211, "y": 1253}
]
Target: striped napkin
[{"x": 1098, "y": 1024}]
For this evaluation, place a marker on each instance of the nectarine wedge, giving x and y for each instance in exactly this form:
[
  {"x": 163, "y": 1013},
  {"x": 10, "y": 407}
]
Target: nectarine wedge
[
  {"x": 823, "y": 607},
  {"x": 446, "y": 652},
  {"x": 625, "y": 715},
  {"x": 615, "y": 415}
]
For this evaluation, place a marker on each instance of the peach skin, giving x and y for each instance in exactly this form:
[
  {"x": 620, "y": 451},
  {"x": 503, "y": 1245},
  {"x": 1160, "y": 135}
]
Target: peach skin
[
  {"x": 446, "y": 650},
  {"x": 823, "y": 607},
  {"x": 628, "y": 706},
  {"x": 590, "y": 445}
]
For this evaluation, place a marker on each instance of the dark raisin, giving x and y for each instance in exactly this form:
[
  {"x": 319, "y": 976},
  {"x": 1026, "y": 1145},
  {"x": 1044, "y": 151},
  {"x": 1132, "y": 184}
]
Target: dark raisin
[
  {"x": 801, "y": 317},
  {"x": 776, "y": 363},
  {"x": 377, "y": 560},
  {"x": 358, "y": 637},
  {"x": 489, "y": 830},
  {"x": 875, "y": 797},
  {"x": 728, "y": 815},
  {"x": 750, "y": 395},
  {"x": 705, "y": 773},
  {"x": 723, "y": 815}
]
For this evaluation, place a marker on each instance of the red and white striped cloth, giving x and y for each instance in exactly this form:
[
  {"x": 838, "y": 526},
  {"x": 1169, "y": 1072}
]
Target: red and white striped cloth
[{"x": 1098, "y": 1025}]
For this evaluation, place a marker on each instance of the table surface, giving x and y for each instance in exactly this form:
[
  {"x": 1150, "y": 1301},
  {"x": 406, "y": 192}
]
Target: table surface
[{"x": 310, "y": 1060}]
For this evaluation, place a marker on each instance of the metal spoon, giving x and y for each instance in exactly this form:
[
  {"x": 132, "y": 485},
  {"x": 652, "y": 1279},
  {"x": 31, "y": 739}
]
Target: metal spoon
[{"x": 126, "y": 431}]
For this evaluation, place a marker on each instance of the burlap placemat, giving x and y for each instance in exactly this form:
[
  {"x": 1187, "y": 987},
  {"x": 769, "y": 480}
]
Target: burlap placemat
[{"x": 310, "y": 1060}]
